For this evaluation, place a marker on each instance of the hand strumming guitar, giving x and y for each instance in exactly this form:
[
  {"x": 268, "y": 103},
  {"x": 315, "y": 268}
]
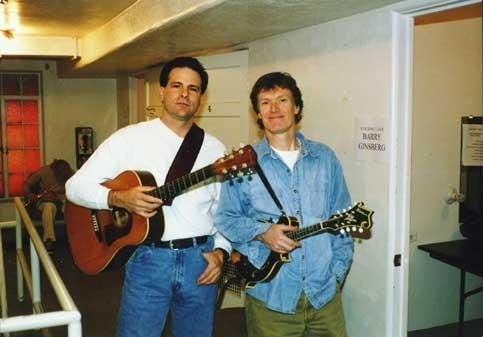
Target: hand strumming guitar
[
  {"x": 274, "y": 237},
  {"x": 136, "y": 200}
]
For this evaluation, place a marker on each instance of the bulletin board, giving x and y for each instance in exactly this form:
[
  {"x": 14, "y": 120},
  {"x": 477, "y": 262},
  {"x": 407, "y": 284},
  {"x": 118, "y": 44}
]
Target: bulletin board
[{"x": 471, "y": 177}]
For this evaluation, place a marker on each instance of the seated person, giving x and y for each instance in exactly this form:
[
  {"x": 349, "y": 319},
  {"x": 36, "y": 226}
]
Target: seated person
[{"x": 44, "y": 191}]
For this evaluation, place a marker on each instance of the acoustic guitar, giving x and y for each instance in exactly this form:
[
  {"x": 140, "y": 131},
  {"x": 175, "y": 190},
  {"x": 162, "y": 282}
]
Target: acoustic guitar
[
  {"x": 355, "y": 222},
  {"x": 105, "y": 239}
]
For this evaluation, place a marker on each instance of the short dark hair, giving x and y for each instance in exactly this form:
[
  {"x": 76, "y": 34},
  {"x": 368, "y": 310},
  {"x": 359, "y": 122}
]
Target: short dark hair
[
  {"x": 271, "y": 81},
  {"x": 184, "y": 62},
  {"x": 62, "y": 169}
]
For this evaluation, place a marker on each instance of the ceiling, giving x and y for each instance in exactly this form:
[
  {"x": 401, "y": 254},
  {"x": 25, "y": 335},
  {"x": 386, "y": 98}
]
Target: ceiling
[{"x": 105, "y": 38}]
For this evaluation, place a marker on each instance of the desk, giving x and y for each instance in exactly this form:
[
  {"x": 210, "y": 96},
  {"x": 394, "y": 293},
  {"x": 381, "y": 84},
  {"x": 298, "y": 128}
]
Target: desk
[{"x": 465, "y": 255}]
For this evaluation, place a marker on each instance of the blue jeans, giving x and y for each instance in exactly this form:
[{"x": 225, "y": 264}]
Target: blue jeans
[{"x": 160, "y": 280}]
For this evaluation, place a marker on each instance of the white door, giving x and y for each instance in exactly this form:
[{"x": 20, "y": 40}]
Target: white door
[{"x": 224, "y": 111}]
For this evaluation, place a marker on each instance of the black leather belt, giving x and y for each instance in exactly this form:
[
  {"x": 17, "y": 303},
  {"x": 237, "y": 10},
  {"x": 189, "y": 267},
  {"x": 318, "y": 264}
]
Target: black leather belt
[{"x": 179, "y": 243}]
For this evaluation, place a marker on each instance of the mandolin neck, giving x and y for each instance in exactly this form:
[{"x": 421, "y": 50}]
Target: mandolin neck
[{"x": 306, "y": 232}]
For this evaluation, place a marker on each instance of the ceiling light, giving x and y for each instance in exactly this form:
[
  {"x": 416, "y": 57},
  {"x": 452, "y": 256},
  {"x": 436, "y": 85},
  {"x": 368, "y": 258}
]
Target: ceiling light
[{"x": 9, "y": 19}]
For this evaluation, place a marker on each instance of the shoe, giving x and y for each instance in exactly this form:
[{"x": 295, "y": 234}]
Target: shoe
[{"x": 49, "y": 245}]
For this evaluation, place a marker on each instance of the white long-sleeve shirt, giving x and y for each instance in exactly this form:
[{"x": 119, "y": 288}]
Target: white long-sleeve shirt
[{"x": 151, "y": 146}]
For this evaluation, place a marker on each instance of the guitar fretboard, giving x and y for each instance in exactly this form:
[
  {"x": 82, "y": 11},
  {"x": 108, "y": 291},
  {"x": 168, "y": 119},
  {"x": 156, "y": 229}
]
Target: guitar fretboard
[
  {"x": 180, "y": 185},
  {"x": 305, "y": 232}
]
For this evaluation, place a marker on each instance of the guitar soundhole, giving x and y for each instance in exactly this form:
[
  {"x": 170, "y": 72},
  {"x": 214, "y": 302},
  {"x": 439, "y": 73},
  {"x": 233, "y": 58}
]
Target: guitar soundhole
[
  {"x": 120, "y": 217},
  {"x": 120, "y": 226}
]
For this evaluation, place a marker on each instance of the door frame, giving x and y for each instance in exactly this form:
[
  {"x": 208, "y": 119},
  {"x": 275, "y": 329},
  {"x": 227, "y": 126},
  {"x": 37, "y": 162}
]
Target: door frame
[{"x": 400, "y": 163}]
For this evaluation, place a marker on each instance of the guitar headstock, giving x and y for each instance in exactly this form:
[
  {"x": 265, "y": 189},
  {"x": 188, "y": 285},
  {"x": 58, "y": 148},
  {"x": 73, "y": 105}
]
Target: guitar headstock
[
  {"x": 357, "y": 221},
  {"x": 237, "y": 163}
]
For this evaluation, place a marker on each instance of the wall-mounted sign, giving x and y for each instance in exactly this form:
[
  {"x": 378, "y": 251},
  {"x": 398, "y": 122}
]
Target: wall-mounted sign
[
  {"x": 371, "y": 139},
  {"x": 472, "y": 141}
]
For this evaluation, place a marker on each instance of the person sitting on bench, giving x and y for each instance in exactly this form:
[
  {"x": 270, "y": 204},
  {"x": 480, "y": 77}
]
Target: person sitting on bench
[{"x": 44, "y": 192}]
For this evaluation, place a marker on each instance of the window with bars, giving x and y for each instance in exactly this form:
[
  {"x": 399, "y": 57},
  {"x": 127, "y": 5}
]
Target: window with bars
[{"x": 20, "y": 132}]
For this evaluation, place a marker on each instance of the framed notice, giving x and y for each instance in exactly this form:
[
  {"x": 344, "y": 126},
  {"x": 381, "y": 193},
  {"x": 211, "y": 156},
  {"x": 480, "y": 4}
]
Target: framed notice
[
  {"x": 472, "y": 141},
  {"x": 471, "y": 178}
]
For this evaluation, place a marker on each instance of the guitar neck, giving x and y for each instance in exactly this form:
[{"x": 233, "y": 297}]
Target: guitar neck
[{"x": 181, "y": 184}]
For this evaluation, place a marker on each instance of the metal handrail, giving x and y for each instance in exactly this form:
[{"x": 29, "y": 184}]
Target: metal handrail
[{"x": 69, "y": 315}]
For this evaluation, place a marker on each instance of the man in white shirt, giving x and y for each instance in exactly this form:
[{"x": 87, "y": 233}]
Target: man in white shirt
[{"x": 178, "y": 272}]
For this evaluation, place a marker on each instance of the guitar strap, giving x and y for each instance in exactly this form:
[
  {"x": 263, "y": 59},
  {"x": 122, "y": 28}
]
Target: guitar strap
[
  {"x": 269, "y": 188},
  {"x": 182, "y": 164}
]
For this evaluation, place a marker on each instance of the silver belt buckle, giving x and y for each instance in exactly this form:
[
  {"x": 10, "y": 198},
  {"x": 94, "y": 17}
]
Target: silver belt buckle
[{"x": 171, "y": 245}]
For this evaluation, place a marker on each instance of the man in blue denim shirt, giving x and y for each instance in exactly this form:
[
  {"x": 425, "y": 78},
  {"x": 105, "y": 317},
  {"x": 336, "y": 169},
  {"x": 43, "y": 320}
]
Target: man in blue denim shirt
[{"x": 303, "y": 297}]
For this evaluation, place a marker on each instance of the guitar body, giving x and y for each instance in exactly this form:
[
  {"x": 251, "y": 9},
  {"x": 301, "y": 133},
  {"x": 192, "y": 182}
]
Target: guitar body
[{"x": 105, "y": 239}]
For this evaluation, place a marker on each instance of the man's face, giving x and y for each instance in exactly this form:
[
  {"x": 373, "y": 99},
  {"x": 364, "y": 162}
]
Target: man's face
[
  {"x": 277, "y": 110},
  {"x": 182, "y": 94}
]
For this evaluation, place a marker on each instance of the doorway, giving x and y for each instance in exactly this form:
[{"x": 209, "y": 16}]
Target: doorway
[{"x": 401, "y": 214}]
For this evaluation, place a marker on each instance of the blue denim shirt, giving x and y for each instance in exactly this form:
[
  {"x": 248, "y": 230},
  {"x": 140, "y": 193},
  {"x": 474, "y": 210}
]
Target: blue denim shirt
[{"x": 312, "y": 192}]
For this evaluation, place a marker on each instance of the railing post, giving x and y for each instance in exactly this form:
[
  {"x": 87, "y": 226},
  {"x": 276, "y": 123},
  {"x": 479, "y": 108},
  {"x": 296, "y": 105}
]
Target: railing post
[{"x": 18, "y": 247}]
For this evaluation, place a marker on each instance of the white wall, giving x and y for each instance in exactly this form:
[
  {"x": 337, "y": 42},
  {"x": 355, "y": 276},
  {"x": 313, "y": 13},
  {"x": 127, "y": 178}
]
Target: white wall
[
  {"x": 343, "y": 69},
  {"x": 447, "y": 85}
]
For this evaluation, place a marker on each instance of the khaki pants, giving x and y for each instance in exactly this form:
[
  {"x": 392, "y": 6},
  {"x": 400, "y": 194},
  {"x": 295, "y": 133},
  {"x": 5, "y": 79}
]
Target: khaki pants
[
  {"x": 48, "y": 211},
  {"x": 306, "y": 322}
]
